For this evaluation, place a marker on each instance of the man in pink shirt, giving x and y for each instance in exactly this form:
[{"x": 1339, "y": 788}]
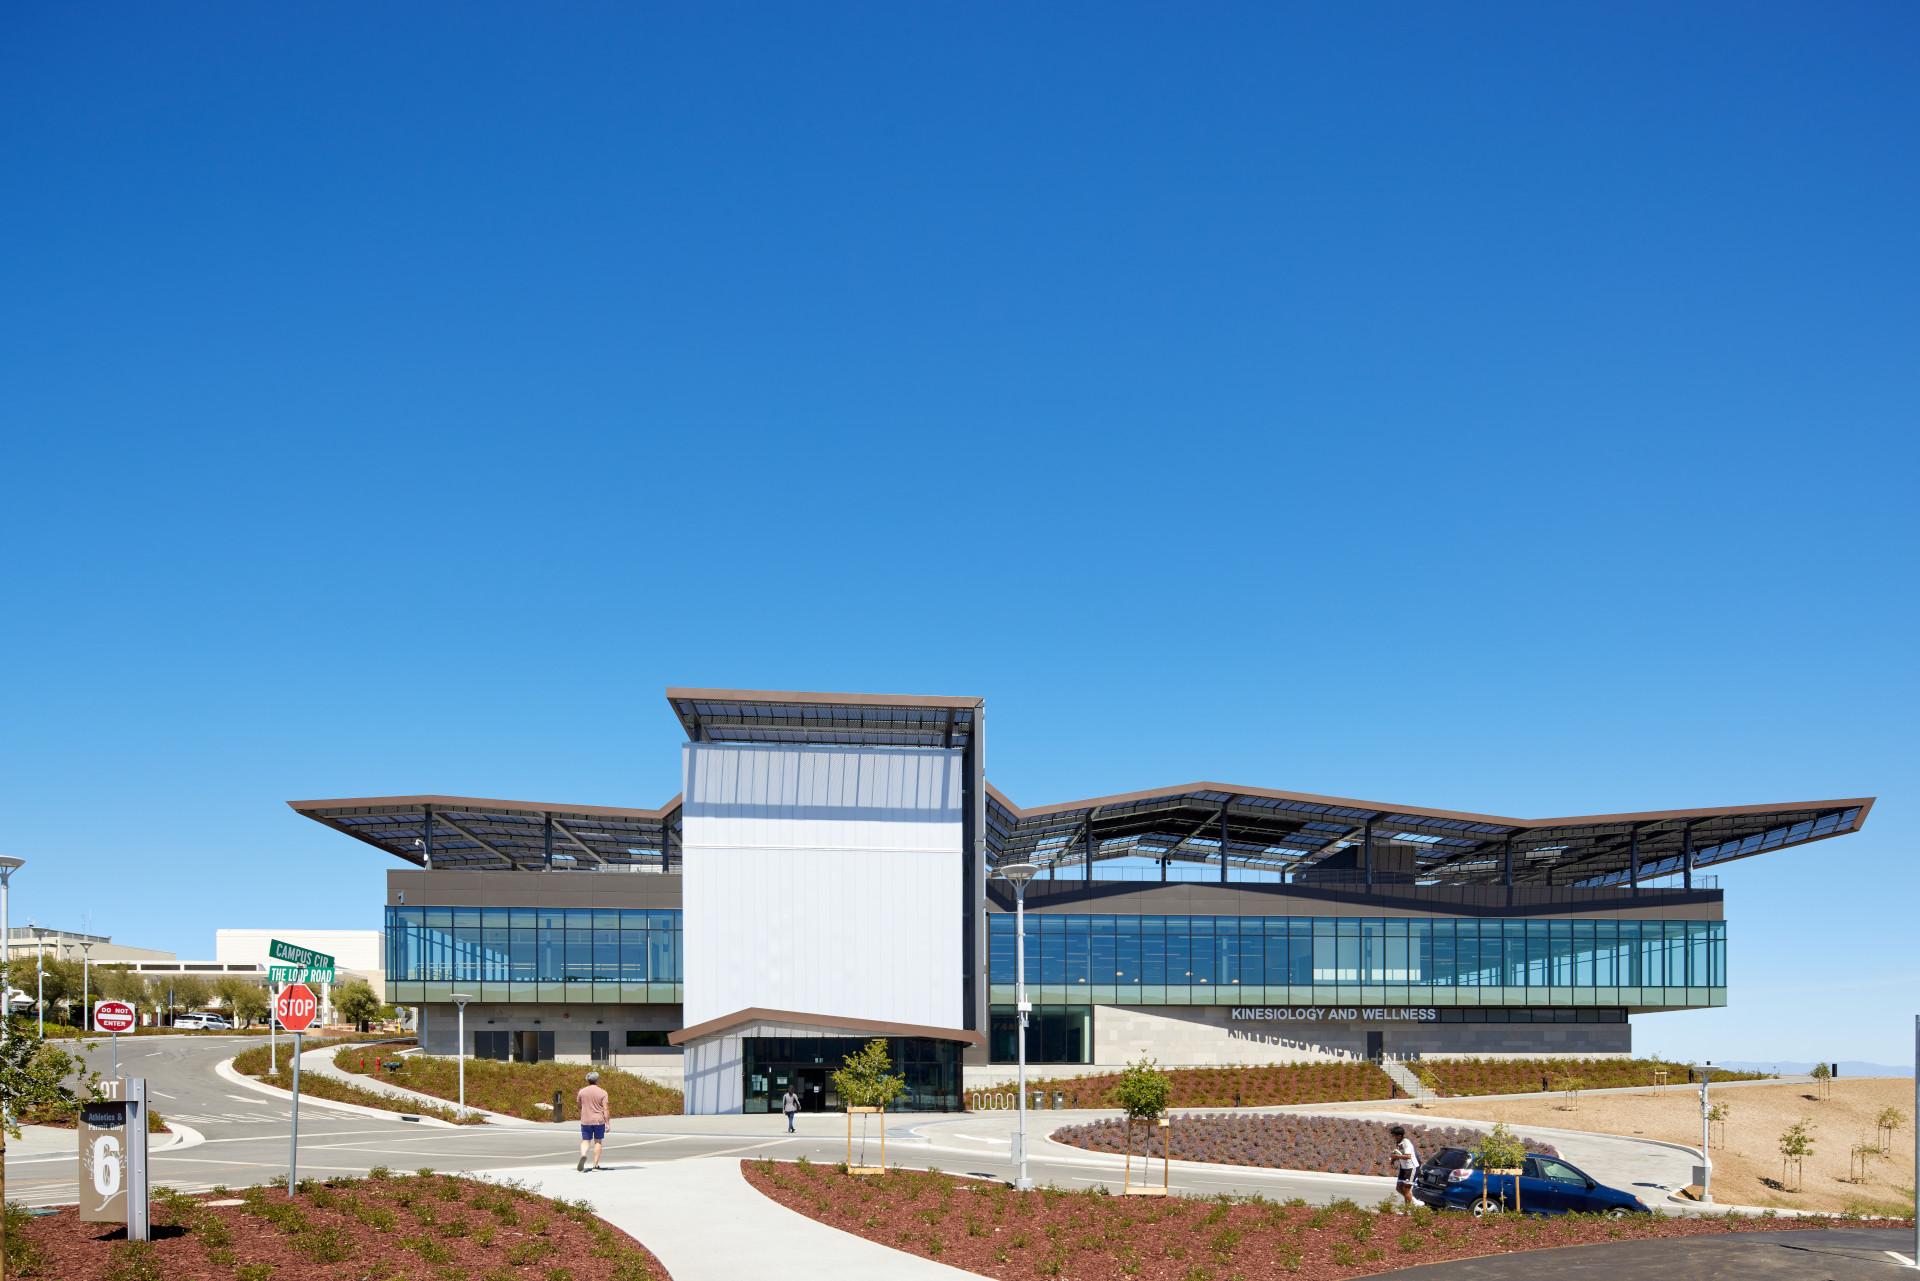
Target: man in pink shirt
[{"x": 593, "y": 1119}]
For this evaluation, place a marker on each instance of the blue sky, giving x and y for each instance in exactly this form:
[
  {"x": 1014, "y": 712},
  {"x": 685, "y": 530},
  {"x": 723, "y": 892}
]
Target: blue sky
[{"x": 1503, "y": 408}]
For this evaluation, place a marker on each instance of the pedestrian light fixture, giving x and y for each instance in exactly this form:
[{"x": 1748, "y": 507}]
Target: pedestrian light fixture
[
  {"x": 460, "y": 1000},
  {"x": 1017, "y": 875},
  {"x": 8, "y": 866}
]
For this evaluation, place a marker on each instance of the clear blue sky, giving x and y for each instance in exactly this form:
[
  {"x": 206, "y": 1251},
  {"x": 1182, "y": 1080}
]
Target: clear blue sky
[{"x": 1499, "y": 408}]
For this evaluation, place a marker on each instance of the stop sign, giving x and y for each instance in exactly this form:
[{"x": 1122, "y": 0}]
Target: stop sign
[
  {"x": 296, "y": 1007},
  {"x": 113, "y": 1016}
]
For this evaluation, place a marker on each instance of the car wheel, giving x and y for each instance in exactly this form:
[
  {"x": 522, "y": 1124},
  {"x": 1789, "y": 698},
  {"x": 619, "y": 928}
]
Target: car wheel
[
  {"x": 1619, "y": 1212},
  {"x": 1484, "y": 1206}
]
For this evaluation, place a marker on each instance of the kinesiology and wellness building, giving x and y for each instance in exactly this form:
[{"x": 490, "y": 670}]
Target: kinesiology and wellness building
[{"x": 826, "y": 875}]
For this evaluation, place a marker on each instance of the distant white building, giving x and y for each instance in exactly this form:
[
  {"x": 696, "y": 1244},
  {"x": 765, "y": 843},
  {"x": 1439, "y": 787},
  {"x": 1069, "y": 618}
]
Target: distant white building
[
  {"x": 361, "y": 953},
  {"x": 29, "y": 941}
]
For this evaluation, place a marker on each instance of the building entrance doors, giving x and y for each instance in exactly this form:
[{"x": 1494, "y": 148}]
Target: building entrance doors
[
  {"x": 813, "y": 1089},
  {"x": 533, "y": 1047},
  {"x": 1376, "y": 1046}
]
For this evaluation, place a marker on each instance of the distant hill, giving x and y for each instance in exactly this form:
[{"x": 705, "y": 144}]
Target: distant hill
[{"x": 1848, "y": 1067}]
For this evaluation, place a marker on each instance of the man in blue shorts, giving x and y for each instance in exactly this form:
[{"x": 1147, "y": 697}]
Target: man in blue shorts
[{"x": 593, "y": 1120}]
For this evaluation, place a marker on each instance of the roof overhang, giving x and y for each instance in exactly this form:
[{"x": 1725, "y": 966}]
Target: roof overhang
[
  {"x": 787, "y": 716},
  {"x": 1259, "y": 827},
  {"x": 829, "y": 1022},
  {"x": 481, "y": 832}
]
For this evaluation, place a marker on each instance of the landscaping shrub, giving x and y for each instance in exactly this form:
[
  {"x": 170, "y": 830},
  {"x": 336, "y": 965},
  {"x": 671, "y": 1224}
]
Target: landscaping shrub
[
  {"x": 1466, "y": 1077},
  {"x": 1264, "y": 1085},
  {"x": 514, "y": 1088},
  {"x": 1337, "y": 1144},
  {"x": 254, "y": 1063}
]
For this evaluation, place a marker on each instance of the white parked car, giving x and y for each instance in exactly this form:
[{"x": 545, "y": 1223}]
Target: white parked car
[{"x": 201, "y": 1022}]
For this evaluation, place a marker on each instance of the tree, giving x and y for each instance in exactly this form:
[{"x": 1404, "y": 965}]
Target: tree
[
  {"x": 1796, "y": 1145},
  {"x": 120, "y": 983},
  {"x": 60, "y": 984},
  {"x": 868, "y": 1080},
  {"x": 254, "y": 1005},
  {"x": 1143, "y": 1090},
  {"x": 1888, "y": 1123},
  {"x": 1143, "y": 1093},
  {"x": 1823, "y": 1078},
  {"x": 1499, "y": 1149},
  {"x": 357, "y": 1003},
  {"x": 33, "y": 1079},
  {"x": 1717, "y": 1115},
  {"x": 189, "y": 990},
  {"x": 245, "y": 1000}
]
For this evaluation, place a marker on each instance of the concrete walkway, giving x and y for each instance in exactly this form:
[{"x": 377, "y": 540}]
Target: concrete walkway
[{"x": 707, "y": 1223}]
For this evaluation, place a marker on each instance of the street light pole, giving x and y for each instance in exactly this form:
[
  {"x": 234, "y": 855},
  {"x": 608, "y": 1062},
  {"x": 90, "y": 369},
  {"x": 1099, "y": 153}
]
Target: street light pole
[
  {"x": 1706, "y": 1137},
  {"x": 86, "y": 984},
  {"x": 8, "y": 866},
  {"x": 40, "y": 978},
  {"x": 1018, "y": 874},
  {"x": 460, "y": 1000}
]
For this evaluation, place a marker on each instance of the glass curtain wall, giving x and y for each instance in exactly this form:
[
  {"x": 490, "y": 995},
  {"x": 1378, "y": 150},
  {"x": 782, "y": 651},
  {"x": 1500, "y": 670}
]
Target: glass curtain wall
[
  {"x": 1227, "y": 960},
  {"x": 533, "y": 954}
]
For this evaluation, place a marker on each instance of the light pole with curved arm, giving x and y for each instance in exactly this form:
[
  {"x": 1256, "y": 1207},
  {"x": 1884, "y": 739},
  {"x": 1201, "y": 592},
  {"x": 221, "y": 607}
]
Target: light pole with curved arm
[{"x": 1018, "y": 874}]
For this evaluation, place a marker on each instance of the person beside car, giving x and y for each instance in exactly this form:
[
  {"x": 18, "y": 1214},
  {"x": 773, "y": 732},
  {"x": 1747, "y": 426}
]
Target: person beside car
[{"x": 1405, "y": 1161}]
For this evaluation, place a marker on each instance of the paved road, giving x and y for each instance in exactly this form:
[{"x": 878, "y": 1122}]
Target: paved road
[
  {"x": 242, "y": 1138},
  {"x": 239, "y": 1136},
  {"x": 1816, "y": 1254}
]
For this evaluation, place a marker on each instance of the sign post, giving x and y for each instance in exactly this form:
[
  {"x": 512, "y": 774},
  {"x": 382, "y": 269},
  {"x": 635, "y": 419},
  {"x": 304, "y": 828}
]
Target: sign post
[
  {"x": 300, "y": 965},
  {"x": 115, "y": 1017},
  {"x": 295, "y": 1007},
  {"x": 113, "y": 1158}
]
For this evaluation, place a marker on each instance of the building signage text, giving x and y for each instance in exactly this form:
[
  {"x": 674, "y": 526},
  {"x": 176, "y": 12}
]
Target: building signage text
[{"x": 1335, "y": 1014}]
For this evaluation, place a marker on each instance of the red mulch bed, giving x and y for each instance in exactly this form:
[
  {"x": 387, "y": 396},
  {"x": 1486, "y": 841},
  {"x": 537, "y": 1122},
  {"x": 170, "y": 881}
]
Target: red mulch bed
[
  {"x": 988, "y": 1228},
  {"x": 343, "y": 1230}
]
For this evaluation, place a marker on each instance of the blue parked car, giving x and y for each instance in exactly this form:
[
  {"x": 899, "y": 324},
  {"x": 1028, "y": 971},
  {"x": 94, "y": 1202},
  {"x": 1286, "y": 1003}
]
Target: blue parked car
[{"x": 1548, "y": 1185}]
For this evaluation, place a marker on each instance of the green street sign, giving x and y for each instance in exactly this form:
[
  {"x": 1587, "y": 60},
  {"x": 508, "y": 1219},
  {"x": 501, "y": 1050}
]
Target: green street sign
[
  {"x": 298, "y": 955},
  {"x": 299, "y": 974}
]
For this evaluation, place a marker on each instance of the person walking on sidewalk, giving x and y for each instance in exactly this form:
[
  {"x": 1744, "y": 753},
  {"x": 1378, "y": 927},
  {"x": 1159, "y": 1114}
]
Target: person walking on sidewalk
[
  {"x": 593, "y": 1120},
  {"x": 790, "y": 1103}
]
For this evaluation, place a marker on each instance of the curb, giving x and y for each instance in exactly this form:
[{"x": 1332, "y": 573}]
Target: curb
[
  {"x": 224, "y": 1070},
  {"x": 184, "y": 1136},
  {"x": 1105, "y": 1160}
]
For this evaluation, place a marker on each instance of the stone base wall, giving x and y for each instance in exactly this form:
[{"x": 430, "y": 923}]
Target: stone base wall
[
  {"x": 572, "y": 1026},
  {"x": 1207, "y": 1036}
]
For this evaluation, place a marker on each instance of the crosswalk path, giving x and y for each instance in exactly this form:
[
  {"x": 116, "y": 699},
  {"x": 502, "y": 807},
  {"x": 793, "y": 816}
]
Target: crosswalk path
[
  {"x": 225, "y": 1118},
  {"x": 64, "y": 1194}
]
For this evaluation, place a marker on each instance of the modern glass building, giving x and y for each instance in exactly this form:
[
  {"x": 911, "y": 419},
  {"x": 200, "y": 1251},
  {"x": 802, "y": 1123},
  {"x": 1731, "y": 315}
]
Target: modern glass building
[{"x": 828, "y": 874}]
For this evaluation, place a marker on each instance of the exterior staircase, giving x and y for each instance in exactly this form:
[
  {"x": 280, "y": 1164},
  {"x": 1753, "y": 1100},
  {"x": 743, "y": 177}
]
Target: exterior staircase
[{"x": 1403, "y": 1077}]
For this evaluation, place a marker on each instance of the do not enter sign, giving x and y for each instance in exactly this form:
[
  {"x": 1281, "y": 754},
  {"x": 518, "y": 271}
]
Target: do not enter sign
[
  {"x": 113, "y": 1016},
  {"x": 296, "y": 1007}
]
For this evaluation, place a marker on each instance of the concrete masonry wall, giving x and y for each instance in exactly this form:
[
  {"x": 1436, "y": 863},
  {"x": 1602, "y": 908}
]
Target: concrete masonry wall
[{"x": 1206, "y": 1036}]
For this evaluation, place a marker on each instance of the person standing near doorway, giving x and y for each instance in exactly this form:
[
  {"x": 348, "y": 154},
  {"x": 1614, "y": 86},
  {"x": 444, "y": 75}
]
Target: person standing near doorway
[
  {"x": 790, "y": 1103},
  {"x": 1405, "y": 1161},
  {"x": 593, "y": 1120}
]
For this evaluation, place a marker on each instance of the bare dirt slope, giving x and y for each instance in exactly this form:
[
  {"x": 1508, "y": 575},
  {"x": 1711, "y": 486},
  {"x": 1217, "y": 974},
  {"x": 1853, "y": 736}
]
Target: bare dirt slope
[{"x": 1746, "y": 1170}]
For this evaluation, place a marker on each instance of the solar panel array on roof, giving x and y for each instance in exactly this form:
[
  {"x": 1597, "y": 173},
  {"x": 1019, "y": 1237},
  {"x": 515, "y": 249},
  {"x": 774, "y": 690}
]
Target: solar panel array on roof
[{"x": 1257, "y": 829}]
